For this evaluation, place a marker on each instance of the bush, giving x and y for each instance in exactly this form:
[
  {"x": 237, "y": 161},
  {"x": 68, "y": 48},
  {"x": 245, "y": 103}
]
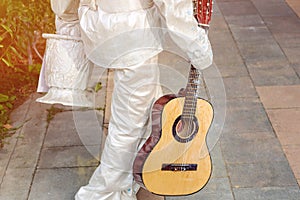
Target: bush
[{"x": 22, "y": 23}]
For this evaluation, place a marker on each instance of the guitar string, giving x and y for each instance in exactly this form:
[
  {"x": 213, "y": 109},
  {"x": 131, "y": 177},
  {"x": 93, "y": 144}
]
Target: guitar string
[
  {"x": 194, "y": 73},
  {"x": 192, "y": 102}
]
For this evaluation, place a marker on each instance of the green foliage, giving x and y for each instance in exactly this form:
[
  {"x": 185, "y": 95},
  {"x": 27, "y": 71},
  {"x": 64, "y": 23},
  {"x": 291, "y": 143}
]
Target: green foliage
[
  {"x": 5, "y": 129},
  {"x": 21, "y": 24},
  {"x": 98, "y": 86}
]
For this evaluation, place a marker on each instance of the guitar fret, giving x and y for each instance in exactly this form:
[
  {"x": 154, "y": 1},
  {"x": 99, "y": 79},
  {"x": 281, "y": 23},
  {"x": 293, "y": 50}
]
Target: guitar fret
[
  {"x": 190, "y": 104},
  {"x": 192, "y": 92},
  {"x": 189, "y": 108}
]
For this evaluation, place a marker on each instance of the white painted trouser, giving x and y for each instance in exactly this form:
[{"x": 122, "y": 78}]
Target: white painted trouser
[{"x": 135, "y": 90}]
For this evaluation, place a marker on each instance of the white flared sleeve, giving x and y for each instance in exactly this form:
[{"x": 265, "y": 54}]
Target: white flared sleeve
[{"x": 184, "y": 30}]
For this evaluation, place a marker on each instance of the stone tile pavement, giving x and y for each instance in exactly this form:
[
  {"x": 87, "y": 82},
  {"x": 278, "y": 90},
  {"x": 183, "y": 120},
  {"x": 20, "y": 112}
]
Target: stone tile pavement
[{"x": 256, "y": 48}]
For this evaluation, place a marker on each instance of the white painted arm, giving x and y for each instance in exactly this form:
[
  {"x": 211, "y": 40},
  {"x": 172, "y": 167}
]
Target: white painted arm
[{"x": 184, "y": 30}]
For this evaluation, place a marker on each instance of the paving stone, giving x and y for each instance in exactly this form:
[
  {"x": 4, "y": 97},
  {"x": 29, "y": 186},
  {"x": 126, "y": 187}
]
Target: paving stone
[
  {"x": 221, "y": 38},
  {"x": 16, "y": 183},
  {"x": 292, "y": 153},
  {"x": 285, "y": 120},
  {"x": 31, "y": 122},
  {"x": 288, "y": 138},
  {"x": 75, "y": 156},
  {"x": 62, "y": 132},
  {"x": 260, "y": 51},
  {"x": 18, "y": 115},
  {"x": 288, "y": 134},
  {"x": 295, "y": 5},
  {"x": 216, "y": 129},
  {"x": 252, "y": 34},
  {"x": 25, "y": 156},
  {"x": 226, "y": 55},
  {"x": 267, "y": 193},
  {"x": 228, "y": 60},
  {"x": 89, "y": 126},
  {"x": 37, "y": 111},
  {"x": 234, "y": 68},
  {"x": 273, "y": 8},
  {"x": 292, "y": 53},
  {"x": 33, "y": 131},
  {"x": 290, "y": 24},
  {"x": 14, "y": 195},
  {"x": 216, "y": 9},
  {"x": 216, "y": 189},
  {"x": 261, "y": 174},
  {"x": 269, "y": 71},
  {"x": 230, "y": 0},
  {"x": 215, "y": 90},
  {"x": 144, "y": 194},
  {"x": 217, "y": 23},
  {"x": 246, "y": 116},
  {"x": 280, "y": 96},
  {"x": 237, "y": 8},
  {"x": 218, "y": 169},
  {"x": 85, "y": 129},
  {"x": 270, "y": 1},
  {"x": 237, "y": 87},
  {"x": 251, "y": 148},
  {"x": 246, "y": 21},
  {"x": 296, "y": 67},
  {"x": 5, "y": 155},
  {"x": 62, "y": 183},
  {"x": 30, "y": 140},
  {"x": 286, "y": 39}
]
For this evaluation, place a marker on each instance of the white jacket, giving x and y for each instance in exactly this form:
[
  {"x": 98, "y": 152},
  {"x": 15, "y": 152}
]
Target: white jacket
[{"x": 119, "y": 32}]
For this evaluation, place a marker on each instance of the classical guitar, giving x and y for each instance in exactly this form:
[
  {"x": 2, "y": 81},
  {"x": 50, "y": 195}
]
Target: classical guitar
[{"x": 175, "y": 159}]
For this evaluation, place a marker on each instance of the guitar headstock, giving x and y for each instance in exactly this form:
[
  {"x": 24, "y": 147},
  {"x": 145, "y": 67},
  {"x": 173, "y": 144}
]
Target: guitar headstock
[{"x": 202, "y": 11}]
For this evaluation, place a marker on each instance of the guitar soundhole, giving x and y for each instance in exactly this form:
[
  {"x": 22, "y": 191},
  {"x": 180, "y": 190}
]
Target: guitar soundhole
[{"x": 185, "y": 130}]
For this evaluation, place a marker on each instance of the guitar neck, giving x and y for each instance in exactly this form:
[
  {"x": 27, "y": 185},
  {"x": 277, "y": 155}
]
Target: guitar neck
[
  {"x": 192, "y": 87},
  {"x": 202, "y": 13}
]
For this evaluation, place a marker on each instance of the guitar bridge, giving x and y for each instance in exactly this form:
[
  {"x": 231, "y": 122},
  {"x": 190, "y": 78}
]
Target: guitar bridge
[{"x": 179, "y": 167}]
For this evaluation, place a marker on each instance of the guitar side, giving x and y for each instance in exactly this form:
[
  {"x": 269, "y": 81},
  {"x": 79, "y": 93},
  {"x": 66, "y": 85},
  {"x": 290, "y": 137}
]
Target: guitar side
[{"x": 167, "y": 166}]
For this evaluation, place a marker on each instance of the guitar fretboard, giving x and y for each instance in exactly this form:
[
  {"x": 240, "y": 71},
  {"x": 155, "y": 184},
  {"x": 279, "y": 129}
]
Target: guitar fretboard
[{"x": 190, "y": 102}]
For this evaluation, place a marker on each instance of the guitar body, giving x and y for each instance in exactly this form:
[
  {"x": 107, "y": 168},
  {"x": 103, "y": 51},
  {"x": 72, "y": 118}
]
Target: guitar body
[{"x": 169, "y": 164}]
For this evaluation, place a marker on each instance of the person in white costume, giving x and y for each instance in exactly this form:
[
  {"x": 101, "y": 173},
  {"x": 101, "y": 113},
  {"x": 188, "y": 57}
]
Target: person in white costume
[{"x": 127, "y": 35}]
